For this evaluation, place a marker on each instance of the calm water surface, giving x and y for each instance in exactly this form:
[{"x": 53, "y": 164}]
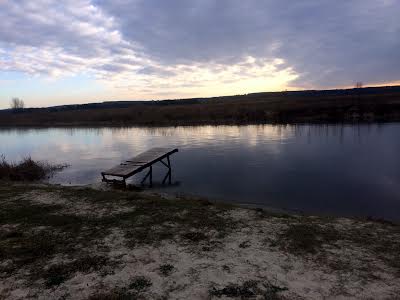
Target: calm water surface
[{"x": 340, "y": 170}]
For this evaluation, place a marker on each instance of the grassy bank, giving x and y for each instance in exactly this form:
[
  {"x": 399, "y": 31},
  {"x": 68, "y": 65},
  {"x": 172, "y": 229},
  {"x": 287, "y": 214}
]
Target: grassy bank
[
  {"x": 335, "y": 106},
  {"x": 79, "y": 243}
]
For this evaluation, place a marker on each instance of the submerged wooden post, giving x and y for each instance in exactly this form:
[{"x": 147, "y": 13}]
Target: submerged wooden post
[
  {"x": 168, "y": 175},
  {"x": 151, "y": 175},
  {"x": 169, "y": 171}
]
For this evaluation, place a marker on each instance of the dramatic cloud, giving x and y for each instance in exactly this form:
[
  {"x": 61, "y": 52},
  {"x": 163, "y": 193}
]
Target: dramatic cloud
[
  {"x": 45, "y": 37},
  {"x": 203, "y": 47},
  {"x": 329, "y": 43}
]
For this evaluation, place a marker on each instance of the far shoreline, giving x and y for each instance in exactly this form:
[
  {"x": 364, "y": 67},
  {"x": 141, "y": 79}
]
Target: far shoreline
[
  {"x": 351, "y": 106},
  {"x": 164, "y": 125}
]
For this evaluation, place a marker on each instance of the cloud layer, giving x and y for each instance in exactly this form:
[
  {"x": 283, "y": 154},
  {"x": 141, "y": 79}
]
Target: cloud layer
[{"x": 203, "y": 46}]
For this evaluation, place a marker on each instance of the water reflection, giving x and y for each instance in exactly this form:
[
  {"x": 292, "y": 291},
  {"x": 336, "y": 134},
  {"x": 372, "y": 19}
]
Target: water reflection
[{"x": 345, "y": 169}]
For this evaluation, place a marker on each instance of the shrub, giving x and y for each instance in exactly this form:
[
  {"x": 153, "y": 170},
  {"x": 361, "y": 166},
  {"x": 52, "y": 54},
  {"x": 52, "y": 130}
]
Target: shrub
[{"x": 26, "y": 170}]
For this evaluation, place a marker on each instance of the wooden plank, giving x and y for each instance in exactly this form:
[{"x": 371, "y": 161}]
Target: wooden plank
[
  {"x": 139, "y": 162},
  {"x": 122, "y": 170},
  {"x": 149, "y": 155}
]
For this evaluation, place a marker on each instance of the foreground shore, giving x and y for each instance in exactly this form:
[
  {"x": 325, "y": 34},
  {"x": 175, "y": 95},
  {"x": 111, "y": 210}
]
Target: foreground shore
[{"x": 82, "y": 243}]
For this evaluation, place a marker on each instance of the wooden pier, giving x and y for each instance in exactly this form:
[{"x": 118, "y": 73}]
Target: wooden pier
[{"x": 139, "y": 163}]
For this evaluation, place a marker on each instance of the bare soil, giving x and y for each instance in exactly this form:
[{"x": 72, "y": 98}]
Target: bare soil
[{"x": 82, "y": 243}]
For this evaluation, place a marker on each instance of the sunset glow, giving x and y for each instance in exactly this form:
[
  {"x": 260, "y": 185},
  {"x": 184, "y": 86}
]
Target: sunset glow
[{"x": 92, "y": 50}]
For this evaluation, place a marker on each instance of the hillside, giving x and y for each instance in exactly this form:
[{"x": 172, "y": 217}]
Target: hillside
[{"x": 378, "y": 104}]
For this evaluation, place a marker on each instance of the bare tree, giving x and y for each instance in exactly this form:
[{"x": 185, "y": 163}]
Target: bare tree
[
  {"x": 17, "y": 104},
  {"x": 359, "y": 85}
]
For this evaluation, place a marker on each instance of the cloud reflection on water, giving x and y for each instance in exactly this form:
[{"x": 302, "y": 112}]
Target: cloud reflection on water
[{"x": 340, "y": 169}]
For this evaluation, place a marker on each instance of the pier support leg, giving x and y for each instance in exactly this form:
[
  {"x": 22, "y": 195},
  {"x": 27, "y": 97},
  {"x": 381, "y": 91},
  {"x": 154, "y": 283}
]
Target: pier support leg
[
  {"x": 150, "y": 176},
  {"x": 169, "y": 171},
  {"x": 121, "y": 182},
  {"x": 168, "y": 175}
]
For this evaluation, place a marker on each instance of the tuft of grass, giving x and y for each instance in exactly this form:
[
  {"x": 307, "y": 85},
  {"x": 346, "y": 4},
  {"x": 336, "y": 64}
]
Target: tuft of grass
[
  {"x": 250, "y": 289},
  {"x": 194, "y": 236},
  {"x": 57, "y": 274},
  {"x": 166, "y": 269},
  {"x": 244, "y": 244},
  {"x": 26, "y": 248},
  {"x": 26, "y": 170},
  {"x": 306, "y": 238},
  {"x": 116, "y": 294},
  {"x": 140, "y": 283},
  {"x": 385, "y": 246}
]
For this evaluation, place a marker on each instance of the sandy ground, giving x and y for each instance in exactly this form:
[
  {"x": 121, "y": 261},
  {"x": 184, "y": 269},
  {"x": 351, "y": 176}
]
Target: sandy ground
[{"x": 259, "y": 256}]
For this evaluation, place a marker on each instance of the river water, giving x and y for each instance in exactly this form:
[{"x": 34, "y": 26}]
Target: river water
[{"x": 343, "y": 170}]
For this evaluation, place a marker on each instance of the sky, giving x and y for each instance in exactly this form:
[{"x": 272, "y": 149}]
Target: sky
[{"x": 79, "y": 51}]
